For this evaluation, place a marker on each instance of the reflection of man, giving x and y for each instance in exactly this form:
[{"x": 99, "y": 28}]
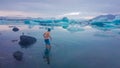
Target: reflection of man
[
  {"x": 47, "y": 38},
  {"x": 46, "y": 55}
]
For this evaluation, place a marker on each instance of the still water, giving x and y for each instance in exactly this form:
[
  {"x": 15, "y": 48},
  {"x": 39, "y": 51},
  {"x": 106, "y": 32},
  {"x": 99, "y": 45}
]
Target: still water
[{"x": 81, "y": 47}]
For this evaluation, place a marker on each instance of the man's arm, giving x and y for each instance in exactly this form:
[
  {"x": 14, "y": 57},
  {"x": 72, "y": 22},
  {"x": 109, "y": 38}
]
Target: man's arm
[
  {"x": 50, "y": 37},
  {"x": 44, "y": 34}
]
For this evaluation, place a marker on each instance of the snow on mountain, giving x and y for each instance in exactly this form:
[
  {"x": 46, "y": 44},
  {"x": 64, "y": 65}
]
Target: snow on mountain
[{"x": 104, "y": 18}]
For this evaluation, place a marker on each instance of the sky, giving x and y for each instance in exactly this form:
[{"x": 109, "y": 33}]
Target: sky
[{"x": 59, "y": 8}]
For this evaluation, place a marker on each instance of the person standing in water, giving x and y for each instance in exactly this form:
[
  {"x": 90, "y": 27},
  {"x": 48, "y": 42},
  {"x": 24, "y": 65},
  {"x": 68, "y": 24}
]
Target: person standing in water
[{"x": 47, "y": 38}]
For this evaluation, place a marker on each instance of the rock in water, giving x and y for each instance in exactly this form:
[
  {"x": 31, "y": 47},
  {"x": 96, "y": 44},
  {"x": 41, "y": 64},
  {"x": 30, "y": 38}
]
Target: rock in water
[
  {"x": 15, "y": 29},
  {"x": 26, "y": 41},
  {"x": 18, "y": 55}
]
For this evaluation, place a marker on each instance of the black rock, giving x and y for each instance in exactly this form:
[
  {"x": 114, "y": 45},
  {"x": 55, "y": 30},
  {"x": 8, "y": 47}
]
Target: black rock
[
  {"x": 18, "y": 55},
  {"x": 15, "y": 29},
  {"x": 26, "y": 41}
]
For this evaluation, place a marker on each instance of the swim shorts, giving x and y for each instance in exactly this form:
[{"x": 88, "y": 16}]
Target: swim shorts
[{"x": 47, "y": 42}]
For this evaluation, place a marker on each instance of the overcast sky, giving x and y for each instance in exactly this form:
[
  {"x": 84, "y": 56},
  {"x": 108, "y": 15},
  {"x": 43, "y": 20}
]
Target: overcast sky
[{"x": 59, "y": 8}]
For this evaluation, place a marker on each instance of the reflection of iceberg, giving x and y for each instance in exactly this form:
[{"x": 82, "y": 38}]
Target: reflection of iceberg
[
  {"x": 64, "y": 24},
  {"x": 116, "y": 21},
  {"x": 31, "y": 23},
  {"x": 104, "y": 34},
  {"x": 103, "y": 25},
  {"x": 116, "y": 31},
  {"x": 75, "y": 28},
  {"x": 106, "y": 22}
]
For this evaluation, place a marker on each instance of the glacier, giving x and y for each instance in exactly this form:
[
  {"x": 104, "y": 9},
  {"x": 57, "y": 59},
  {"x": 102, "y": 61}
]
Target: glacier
[{"x": 102, "y": 22}]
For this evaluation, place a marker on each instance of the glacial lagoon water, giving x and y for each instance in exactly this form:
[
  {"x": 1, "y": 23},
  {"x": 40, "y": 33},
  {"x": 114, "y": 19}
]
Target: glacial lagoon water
[{"x": 72, "y": 47}]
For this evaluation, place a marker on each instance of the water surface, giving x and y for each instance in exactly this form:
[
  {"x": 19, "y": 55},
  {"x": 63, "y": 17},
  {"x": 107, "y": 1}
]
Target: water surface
[{"x": 72, "y": 47}]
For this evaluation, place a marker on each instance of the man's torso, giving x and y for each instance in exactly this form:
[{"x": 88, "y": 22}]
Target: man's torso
[{"x": 46, "y": 35}]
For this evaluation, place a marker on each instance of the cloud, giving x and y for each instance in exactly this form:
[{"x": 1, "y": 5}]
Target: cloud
[
  {"x": 70, "y": 14},
  {"x": 81, "y": 15},
  {"x": 21, "y": 13},
  {"x": 71, "y": 8}
]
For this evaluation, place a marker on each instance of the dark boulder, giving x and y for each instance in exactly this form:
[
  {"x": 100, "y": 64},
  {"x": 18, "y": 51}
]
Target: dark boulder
[
  {"x": 15, "y": 29},
  {"x": 26, "y": 41},
  {"x": 18, "y": 55}
]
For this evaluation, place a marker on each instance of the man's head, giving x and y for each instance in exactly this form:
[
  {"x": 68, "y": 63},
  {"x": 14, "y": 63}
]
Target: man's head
[{"x": 49, "y": 29}]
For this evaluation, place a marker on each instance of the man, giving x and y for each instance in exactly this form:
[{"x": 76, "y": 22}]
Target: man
[{"x": 47, "y": 38}]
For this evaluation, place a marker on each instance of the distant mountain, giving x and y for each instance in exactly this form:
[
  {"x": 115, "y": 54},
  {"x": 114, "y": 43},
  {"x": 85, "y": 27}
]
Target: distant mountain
[
  {"x": 12, "y": 18},
  {"x": 108, "y": 17},
  {"x": 106, "y": 22},
  {"x": 17, "y": 18}
]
